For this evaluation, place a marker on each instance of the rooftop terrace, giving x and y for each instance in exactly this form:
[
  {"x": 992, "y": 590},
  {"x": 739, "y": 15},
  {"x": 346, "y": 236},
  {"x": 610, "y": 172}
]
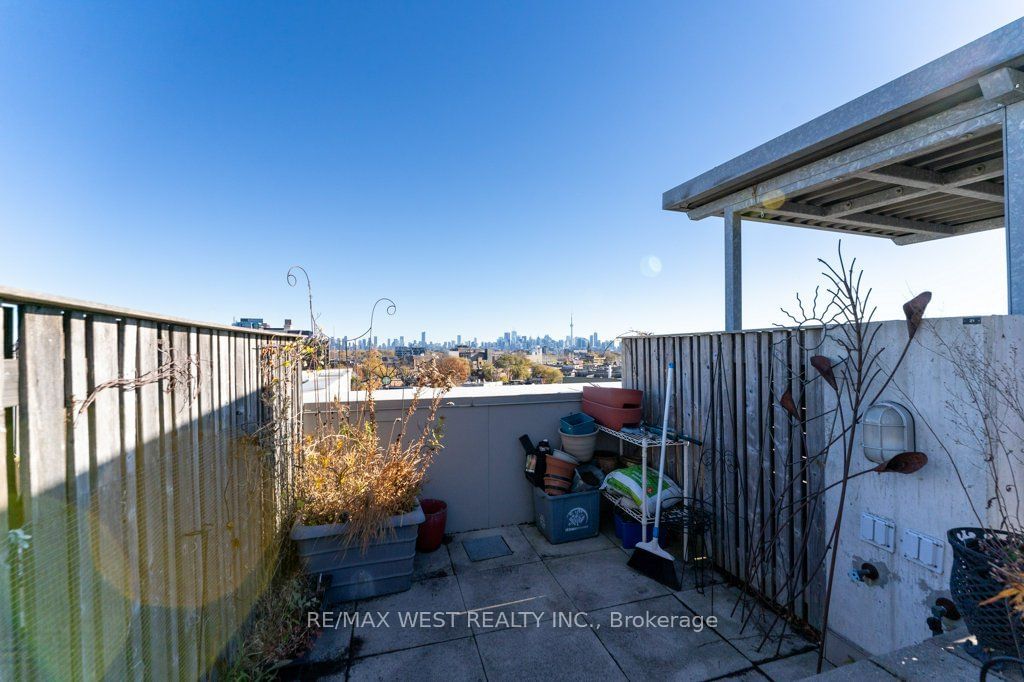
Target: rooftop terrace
[{"x": 148, "y": 484}]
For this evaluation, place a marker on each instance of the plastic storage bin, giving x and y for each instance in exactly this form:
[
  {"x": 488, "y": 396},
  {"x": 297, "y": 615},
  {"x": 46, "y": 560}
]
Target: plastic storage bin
[
  {"x": 629, "y": 531},
  {"x": 564, "y": 518},
  {"x": 578, "y": 424}
]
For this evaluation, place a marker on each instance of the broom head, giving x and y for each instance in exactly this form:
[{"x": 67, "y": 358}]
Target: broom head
[{"x": 654, "y": 562}]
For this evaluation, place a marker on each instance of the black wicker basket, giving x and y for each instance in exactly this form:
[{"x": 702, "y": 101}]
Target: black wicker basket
[{"x": 975, "y": 552}]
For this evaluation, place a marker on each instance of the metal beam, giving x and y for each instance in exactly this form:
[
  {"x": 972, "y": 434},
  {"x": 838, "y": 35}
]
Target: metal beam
[
  {"x": 959, "y": 230},
  {"x": 870, "y": 201},
  {"x": 1005, "y": 86},
  {"x": 976, "y": 172},
  {"x": 1013, "y": 155},
  {"x": 733, "y": 272},
  {"x": 869, "y": 220},
  {"x": 941, "y": 130},
  {"x": 839, "y": 229},
  {"x": 923, "y": 178},
  {"x": 964, "y": 176}
]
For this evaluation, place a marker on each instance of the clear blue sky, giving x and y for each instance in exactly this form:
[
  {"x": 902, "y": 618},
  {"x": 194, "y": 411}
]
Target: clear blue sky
[{"x": 487, "y": 165}]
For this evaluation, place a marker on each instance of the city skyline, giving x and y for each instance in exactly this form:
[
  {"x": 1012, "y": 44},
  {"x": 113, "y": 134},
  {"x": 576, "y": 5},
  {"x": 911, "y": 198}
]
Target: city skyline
[{"x": 510, "y": 339}]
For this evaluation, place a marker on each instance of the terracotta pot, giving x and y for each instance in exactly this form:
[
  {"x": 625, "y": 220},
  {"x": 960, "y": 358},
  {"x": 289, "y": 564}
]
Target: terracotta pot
[
  {"x": 612, "y": 417},
  {"x": 558, "y": 476},
  {"x": 614, "y": 397}
]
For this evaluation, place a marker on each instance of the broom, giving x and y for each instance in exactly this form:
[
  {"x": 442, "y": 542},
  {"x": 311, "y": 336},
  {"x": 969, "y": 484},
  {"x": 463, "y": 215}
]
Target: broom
[{"x": 648, "y": 557}]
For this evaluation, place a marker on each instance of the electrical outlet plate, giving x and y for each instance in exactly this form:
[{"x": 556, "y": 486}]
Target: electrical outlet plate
[
  {"x": 923, "y": 550},
  {"x": 878, "y": 531}
]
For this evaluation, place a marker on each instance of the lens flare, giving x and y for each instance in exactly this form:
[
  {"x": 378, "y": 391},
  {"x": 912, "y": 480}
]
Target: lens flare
[
  {"x": 650, "y": 266},
  {"x": 773, "y": 199}
]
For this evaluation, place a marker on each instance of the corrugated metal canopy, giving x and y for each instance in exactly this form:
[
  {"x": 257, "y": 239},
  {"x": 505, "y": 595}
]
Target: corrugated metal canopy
[
  {"x": 918, "y": 158},
  {"x": 878, "y": 203}
]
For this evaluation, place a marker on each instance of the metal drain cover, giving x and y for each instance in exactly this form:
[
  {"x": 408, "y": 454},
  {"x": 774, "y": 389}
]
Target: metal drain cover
[{"x": 489, "y": 547}]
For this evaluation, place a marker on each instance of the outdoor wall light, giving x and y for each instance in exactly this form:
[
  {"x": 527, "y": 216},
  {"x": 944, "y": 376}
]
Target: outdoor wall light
[{"x": 887, "y": 431}]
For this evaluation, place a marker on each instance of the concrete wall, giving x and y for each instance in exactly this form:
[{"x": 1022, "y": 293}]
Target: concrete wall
[
  {"x": 479, "y": 473},
  {"x": 892, "y": 613}
]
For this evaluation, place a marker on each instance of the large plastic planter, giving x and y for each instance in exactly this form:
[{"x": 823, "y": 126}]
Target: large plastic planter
[
  {"x": 612, "y": 417},
  {"x": 385, "y": 566},
  {"x": 614, "y": 397}
]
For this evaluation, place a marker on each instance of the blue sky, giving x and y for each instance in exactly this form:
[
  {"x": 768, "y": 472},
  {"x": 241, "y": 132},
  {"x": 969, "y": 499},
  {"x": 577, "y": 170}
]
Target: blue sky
[{"x": 489, "y": 166}]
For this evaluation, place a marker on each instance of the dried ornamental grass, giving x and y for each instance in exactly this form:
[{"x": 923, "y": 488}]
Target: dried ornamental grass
[
  {"x": 352, "y": 473},
  {"x": 1012, "y": 576}
]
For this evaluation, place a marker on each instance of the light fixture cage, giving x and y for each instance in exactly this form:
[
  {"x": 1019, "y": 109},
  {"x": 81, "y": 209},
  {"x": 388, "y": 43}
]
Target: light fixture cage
[{"x": 887, "y": 430}]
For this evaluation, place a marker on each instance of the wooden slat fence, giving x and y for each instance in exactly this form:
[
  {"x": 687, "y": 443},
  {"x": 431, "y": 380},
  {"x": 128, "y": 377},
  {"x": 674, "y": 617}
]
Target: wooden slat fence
[
  {"x": 752, "y": 470},
  {"x": 143, "y": 490}
]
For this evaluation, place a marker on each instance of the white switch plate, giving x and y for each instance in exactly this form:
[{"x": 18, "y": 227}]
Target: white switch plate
[
  {"x": 923, "y": 550},
  {"x": 878, "y": 531}
]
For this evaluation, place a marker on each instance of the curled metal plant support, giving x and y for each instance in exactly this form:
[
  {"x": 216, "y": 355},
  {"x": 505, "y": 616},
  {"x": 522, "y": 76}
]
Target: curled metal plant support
[
  {"x": 315, "y": 329},
  {"x": 293, "y": 281},
  {"x": 390, "y": 310}
]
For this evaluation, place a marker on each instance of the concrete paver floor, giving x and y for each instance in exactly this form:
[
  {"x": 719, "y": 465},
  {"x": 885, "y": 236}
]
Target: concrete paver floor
[{"x": 571, "y": 611}]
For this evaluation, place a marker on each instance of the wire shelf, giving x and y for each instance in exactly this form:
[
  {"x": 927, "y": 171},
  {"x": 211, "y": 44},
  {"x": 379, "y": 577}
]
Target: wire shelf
[
  {"x": 692, "y": 514},
  {"x": 644, "y": 440}
]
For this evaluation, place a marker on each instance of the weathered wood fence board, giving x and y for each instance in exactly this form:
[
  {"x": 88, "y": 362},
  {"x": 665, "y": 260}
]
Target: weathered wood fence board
[
  {"x": 129, "y": 339},
  {"x": 42, "y": 419},
  {"x": 752, "y": 470},
  {"x": 84, "y": 587},
  {"x": 7, "y": 586},
  {"x": 147, "y": 511},
  {"x": 783, "y": 494}
]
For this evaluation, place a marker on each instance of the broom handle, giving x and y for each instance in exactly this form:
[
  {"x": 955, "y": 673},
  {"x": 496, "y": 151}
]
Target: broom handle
[
  {"x": 643, "y": 493},
  {"x": 661, "y": 463},
  {"x": 686, "y": 494}
]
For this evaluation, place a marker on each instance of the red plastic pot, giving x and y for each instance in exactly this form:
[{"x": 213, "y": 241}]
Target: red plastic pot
[
  {"x": 612, "y": 417},
  {"x": 431, "y": 532},
  {"x": 614, "y": 397}
]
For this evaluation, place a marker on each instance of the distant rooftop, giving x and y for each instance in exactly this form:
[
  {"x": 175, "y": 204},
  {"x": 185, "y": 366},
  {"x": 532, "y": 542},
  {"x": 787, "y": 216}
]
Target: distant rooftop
[{"x": 462, "y": 394}]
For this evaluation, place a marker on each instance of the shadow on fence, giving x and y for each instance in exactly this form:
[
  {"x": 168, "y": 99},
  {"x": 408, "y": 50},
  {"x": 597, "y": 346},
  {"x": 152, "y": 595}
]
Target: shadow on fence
[{"x": 147, "y": 478}]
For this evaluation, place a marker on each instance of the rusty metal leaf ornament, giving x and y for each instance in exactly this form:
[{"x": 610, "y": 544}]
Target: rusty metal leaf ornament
[
  {"x": 786, "y": 401},
  {"x": 824, "y": 367},
  {"x": 903, "y": 463},
  {"x": 914, "y": 311}
]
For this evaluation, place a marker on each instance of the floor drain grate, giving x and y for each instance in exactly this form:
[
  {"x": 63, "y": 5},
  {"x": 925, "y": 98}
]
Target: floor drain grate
[{"x": 488, "y": 547}]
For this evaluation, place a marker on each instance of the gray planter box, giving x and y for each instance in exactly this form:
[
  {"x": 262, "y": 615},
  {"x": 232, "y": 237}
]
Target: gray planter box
[{"x": 385, "y": 567}]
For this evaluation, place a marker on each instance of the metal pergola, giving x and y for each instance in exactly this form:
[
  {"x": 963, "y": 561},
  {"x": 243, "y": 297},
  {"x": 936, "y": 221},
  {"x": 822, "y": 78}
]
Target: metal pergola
[{"x": 938, "y": 152}]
